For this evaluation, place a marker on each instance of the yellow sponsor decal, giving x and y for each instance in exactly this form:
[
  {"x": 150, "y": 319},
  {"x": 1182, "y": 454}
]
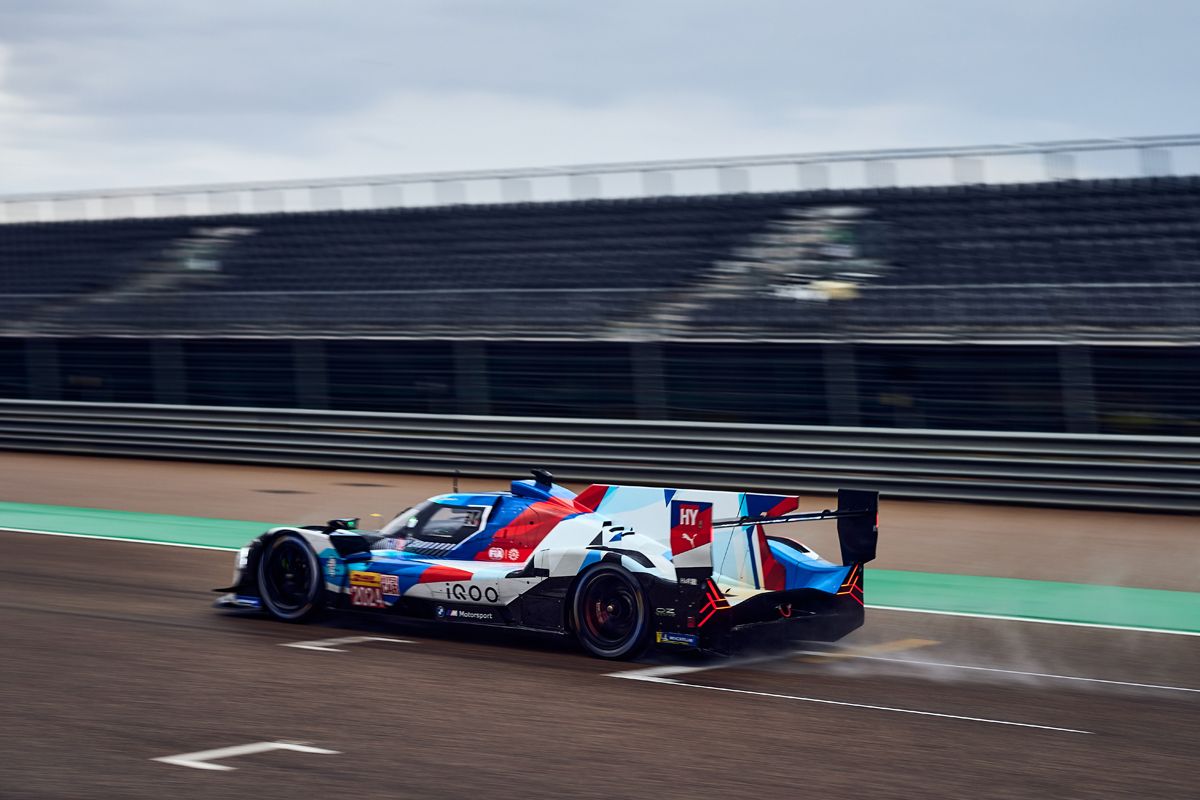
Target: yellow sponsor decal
[{"x": 365, "y": 579}]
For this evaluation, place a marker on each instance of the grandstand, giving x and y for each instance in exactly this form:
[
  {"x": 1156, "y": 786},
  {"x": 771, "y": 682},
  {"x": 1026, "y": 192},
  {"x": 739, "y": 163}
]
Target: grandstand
[
  {"x": 1093, "y": 258},
  {"x": 1059, "y": 305}
]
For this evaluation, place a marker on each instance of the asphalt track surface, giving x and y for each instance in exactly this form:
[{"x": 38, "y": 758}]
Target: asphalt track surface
[{"x": 110, "y": 657}]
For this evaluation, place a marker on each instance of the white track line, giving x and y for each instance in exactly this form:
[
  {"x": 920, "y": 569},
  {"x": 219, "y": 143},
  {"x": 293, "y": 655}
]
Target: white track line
[
  {"x": 1006, "y": 618},
  {"x": 659, "y": 677},
  {"x": 971, "y": 615},
  {"x": 323, "y": 645},
  {"x": 202, "y": 758},
  {"x": 852, "y": 656}
]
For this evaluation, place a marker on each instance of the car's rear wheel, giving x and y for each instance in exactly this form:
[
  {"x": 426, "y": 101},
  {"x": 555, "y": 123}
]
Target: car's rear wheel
[
  {"x": 289, "y": 578},
  {"x": 610, "y": 613}
]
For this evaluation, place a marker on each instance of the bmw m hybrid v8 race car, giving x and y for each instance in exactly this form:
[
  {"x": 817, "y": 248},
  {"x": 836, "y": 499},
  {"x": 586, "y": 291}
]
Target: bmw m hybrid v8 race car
[{"x": 618, "y": 567}]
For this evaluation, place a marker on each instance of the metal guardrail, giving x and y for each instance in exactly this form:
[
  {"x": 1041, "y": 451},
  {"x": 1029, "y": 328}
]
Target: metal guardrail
[{"x": 1109, "y": 472}]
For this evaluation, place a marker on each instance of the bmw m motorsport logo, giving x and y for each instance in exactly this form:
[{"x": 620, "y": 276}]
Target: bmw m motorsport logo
[{"x": 466, "y": 614}]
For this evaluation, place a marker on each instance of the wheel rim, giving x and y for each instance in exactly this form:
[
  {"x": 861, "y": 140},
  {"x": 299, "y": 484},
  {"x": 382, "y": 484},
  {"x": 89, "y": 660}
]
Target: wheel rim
[
  {"x": 288, "y": 576},
  {"x": 611, "y": 612}
]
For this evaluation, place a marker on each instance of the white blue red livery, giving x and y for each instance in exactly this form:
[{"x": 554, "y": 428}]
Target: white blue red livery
[{"x": 617, "y": 567}]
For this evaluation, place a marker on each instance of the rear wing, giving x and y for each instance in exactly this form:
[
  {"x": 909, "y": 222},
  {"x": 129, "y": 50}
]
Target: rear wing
[{"x": 857, "y": 516}]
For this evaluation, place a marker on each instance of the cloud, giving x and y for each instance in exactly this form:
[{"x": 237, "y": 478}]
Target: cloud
[{"x": 130, "y": 92}]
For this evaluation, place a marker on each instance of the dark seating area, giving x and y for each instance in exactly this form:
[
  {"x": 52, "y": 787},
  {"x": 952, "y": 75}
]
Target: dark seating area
[{"x": 1115, "y": 255}]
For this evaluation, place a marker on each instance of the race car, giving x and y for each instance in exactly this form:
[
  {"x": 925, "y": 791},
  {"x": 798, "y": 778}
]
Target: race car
[{"x": 617, "y": 567}]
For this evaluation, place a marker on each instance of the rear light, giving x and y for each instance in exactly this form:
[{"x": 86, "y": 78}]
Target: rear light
[{"x": 691, "y": 622}]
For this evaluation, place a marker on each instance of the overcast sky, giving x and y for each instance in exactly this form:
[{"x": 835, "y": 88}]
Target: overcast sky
[{"x": 111, "y": 93}]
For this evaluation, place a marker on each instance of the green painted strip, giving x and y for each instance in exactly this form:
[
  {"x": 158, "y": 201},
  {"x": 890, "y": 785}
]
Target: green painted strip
[
  {"x": 134, "y": 526},
  {"x": 1013, "y": 597},
  {"x": 958, "y": 594}
]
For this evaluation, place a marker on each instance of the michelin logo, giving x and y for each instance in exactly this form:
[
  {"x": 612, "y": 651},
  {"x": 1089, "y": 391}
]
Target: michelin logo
[{"x": 690, "y": 639}]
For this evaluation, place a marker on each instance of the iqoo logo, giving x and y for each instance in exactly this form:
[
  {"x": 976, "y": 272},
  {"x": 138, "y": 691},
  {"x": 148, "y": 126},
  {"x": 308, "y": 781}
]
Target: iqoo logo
[{"x": 458, "y": 591}]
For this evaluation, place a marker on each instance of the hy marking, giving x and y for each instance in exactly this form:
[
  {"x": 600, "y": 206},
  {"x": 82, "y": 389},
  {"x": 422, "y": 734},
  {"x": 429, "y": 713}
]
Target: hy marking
[
  {"x": 661, "y": 675},
  {"x": 327, "y": 645},
  {"x": 203, "y": 759},
  {"x": 994, "y": 669}
]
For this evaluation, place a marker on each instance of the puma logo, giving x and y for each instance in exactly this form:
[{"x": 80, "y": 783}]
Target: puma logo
[{"x": 691, "y": 538}]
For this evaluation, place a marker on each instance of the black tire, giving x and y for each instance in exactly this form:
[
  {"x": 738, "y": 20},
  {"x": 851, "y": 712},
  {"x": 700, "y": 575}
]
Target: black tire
[
  {"x": 289, "y": 579},
  {"x": 610, "y": 614}
]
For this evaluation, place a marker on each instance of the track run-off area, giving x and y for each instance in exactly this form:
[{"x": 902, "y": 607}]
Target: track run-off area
[{"x": 1040, "y": 652}]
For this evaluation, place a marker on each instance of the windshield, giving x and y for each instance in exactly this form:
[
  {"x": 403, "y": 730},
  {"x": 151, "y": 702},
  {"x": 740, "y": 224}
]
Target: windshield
[{"x": 407, "y": 519}]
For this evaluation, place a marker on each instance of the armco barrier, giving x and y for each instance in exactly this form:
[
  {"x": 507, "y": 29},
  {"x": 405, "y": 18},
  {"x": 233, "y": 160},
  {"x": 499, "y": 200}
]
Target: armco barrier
[{"x": 1112, "y": 472}]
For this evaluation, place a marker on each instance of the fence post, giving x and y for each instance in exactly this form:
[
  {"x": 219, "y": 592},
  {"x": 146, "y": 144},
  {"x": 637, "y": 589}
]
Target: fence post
[
  {"x": 311, "y": 373},
  {"x": 1078, "y": 388},
  {"x": 471, "y": 386},
  {"x": 42, "y": 369},
  {"x": 841, "y": 384},
  {"x": 649, "y": 387},
  {"x": 170, "y": 378}
]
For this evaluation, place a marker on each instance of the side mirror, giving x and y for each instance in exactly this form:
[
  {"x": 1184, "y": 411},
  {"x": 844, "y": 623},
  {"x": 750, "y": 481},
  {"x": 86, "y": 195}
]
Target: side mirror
[
  {"x": 348, "y": 524},
  {"x": 351, "y": 546}
]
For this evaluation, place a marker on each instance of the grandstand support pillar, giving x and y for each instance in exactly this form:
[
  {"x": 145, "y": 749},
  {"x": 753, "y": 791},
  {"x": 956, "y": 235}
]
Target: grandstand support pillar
[
  {"x": 733, "y": 180},
  {"x": 387, "y": 195},
  {"x": 583, "y": 187},
  {"x": 224, "y": 202},
  {"x": 118, "y": 206},
  {"x": 966, "y": 169},
  {"x": 812, "y": 177},
  {"x": 879, "y": 173},
  {"x": 841, "y": 384},
  {"x": 1078, "y": 388},
  {"x": 516, "y": 190},
  {"x": 449, "y": 193},
  {"x": 170, "y": 205},
  {"x": 1060, "y": 166},
  {"x": 266, "y": 201},
  {"x": 312, "y": 374},
  {"x": 325, "y": 198},
  {"x": 166, "y": 362},
  {"x": 1155, "y": 161},
  {"x": 649, "y": 386},
  {"x": 42, "y": 371},
  {"x": 657, "y": 183},
  {"x": 472, "y": 390}
]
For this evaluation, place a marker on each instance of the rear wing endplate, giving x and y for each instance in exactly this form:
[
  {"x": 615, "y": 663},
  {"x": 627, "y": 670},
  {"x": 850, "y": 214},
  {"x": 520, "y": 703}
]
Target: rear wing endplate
[{"x": 857, "y": 516}]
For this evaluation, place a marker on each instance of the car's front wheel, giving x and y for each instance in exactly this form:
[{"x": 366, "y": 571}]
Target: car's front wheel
[
  {"x": 610, "y": 613},
  {"x": 289, "y": 578}
]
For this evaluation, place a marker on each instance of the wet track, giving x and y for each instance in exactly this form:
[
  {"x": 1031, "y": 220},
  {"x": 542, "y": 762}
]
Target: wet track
[{"x": 110, "y": 657}]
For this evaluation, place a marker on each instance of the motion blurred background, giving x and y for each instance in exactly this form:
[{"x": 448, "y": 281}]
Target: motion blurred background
[
  {"x": 947, "y": 251},
  {"x": 871, "y": 216}
]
